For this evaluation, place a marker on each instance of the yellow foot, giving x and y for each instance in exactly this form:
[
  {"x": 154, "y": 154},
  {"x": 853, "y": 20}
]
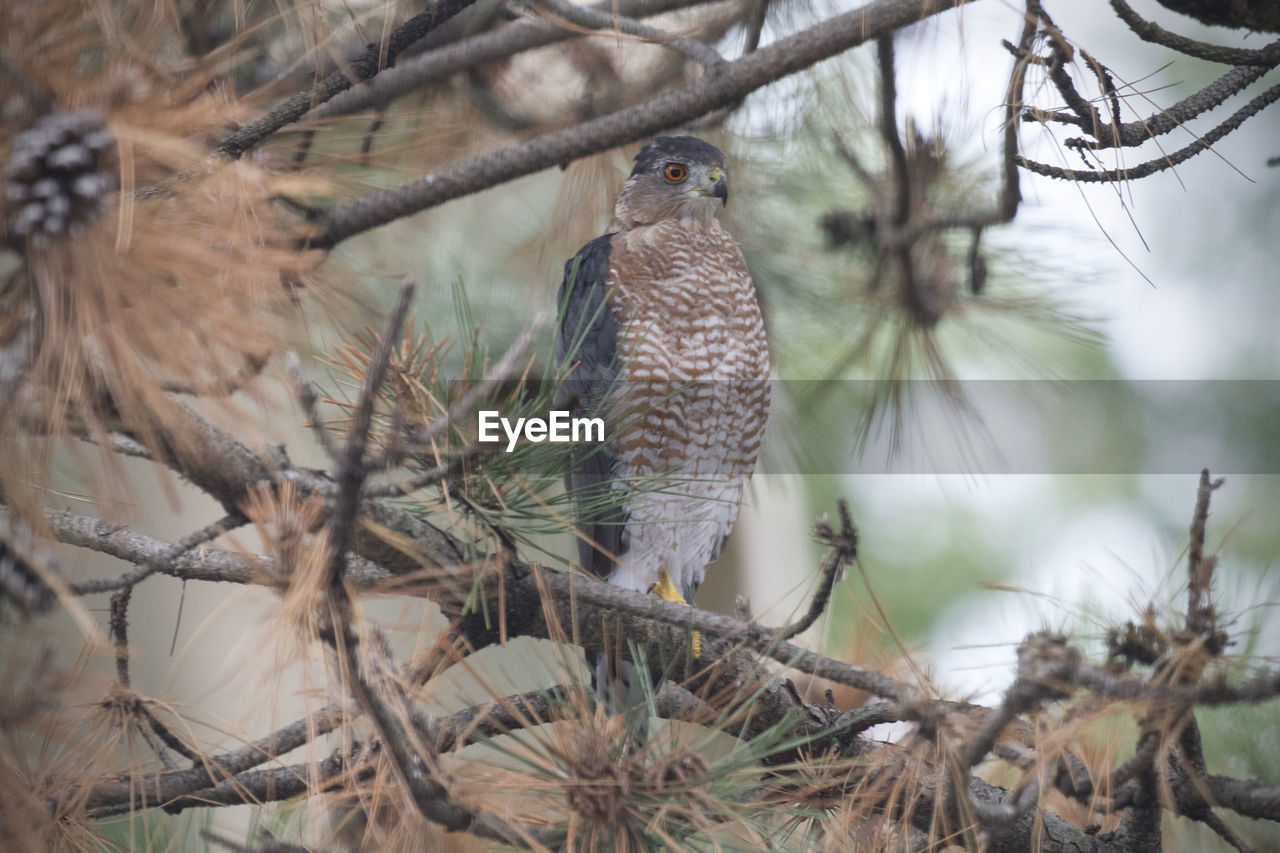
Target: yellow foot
[{"x": 666, "y": 590}]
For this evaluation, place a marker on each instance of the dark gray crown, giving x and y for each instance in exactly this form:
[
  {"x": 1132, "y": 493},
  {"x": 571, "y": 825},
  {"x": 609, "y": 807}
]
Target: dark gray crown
[{"x": 681, "y": 149}]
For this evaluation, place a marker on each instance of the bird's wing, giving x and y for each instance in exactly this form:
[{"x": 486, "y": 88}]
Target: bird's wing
[{"x": 587, "y": 347}]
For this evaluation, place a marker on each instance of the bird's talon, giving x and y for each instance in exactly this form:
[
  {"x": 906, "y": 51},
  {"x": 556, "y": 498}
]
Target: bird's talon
[{"x": 666, "y": 589}]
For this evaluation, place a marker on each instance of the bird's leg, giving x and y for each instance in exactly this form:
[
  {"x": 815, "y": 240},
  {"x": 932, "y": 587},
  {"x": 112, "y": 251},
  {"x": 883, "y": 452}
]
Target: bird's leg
[{"x": 667, "y": 591}]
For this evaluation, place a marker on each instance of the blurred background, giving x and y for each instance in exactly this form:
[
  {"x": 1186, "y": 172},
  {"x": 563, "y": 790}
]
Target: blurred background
[{"x": 1170, "y": 278}]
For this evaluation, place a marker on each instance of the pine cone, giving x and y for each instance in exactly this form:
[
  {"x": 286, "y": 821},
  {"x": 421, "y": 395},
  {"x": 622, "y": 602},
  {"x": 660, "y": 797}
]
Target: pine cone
[{"x": 60, "y": 171}]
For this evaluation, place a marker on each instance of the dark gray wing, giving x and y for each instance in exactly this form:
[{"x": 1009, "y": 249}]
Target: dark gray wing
[{"x": 587, "y": 347}]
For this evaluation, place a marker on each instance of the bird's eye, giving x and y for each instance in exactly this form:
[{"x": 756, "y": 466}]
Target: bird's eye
[{"x": 675, "y": 172}]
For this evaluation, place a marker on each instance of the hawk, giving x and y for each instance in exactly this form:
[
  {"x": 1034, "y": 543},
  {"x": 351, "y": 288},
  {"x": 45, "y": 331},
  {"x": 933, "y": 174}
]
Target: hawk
[{"x": 660, "y": 331}]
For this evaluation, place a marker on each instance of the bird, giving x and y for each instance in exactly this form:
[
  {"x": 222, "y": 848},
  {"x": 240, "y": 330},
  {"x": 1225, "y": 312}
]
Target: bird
[{"x": 660, "y": 330}]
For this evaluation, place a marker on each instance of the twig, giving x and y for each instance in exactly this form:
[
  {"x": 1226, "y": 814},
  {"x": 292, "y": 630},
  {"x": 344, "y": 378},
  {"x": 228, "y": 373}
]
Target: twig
[
  {"x": 498, "y": 717},
  {"x": 1248, "y": 797},
  {"x": 117, "y": 442},
  {"x": 159, "y": 562},
  {"x": 120, "y": 633},
  {"x": 375, "y": 58},
  {"x": 1089, "y": 117},
  {"x": 1147, "y": 31},
  {"x": 1140, "y": 824},
  {"x": 469, "y": 53},
  {"x": 309, "y": 400},
  {"x": 1200, "y": 613},
  {"x": 1142, "y": 170},
  {"x": 1010, "y": 193},
  {"x": 426, "y": 477},
  {"x": 1144, "y": 754},
  {"x": 1134, "y": 133},
  {"x": 599, "y": 19},
  {"x": 644, "y": 609},
  {"x": 167, "y": 737},
  {"x": 887, "y": 115},
  {"x": 128, "y": 446},
  {"x": 844, "y": 550},
  {"x": 1225, "y": 832},
  {"x": 132, "y": 547},
  {"x": 1262, "y": 687},
  {"x": 248, "y": 788},
  {"x": 643, "y": 612},
  {"x": 352, "y": 471},
  {"x": 738, "y": 78},
  {"x": 366, "y": 666},
  {"x": 1045, "y": 665},
  {"x": 212, "y": 771},
  {"x": 370, "y": 680},
  {"x": 857, "y": 721},
  {"x": 123, "y": 699}
]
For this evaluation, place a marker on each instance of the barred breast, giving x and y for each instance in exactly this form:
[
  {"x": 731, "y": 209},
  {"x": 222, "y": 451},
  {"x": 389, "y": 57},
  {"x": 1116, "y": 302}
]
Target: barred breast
[{"x": 690, "y": 413}]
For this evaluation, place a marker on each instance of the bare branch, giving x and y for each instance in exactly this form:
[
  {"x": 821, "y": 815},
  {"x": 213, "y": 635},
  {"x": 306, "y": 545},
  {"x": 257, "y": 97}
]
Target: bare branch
[
  {"x": 1130, "y": 134},
  {"x": 251, "y": 786},
  {"x": 1010, "y": 194},
  {"x": 120, "y": 633},
  {"x": 844, "y": 550},
  {"x": 166, "y": 788},
  {"x": 1248, "y": 797},
  {"x": 352, "y": 471},
  {"x": 477, "y": 50},
  {"x": 365, "y": 661},
  {"x": 738, "y": 78},
  {"x": 309, "y": 400},
  {"x": 598, "y": 19},
  {"x": 206, "y": 564},
  {"x": 1262, "y": 687},
  {"x": 1142, "y": 170},
  {"x": 899, "y": 202},
  {"x": 650, "y": 619},
  {"x": 1268, "y": 56},
  {"x": 1045, "y": 666},
  {"x": 1200, "y": 613},
  {"x": 374, "y": 59},
  {"x": 161, "y": 562}
]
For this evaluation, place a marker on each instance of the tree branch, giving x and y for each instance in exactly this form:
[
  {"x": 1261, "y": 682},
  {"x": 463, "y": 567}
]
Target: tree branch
[
  {"x": 599, "y": 19},
  {"x": 844, "y": 550},
  {"x": 374, "y": 59},
  {"x": 1142, "y": 170},
  {"x": 738, "y": 78},
  {"x": 1268, "y": 56},
  {"x": 1134, "y": 133},
  {"x": 1200, "y": 613},
  {"x": 477, "y": 50}
]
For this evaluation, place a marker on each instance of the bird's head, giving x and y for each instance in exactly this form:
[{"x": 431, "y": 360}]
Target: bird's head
[{"x": 675, "y": 177}]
